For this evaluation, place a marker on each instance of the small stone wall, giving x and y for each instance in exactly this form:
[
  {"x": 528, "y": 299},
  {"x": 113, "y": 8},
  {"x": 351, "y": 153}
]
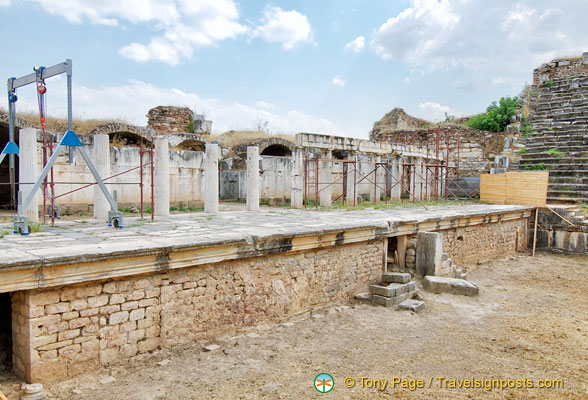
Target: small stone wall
[
  {"x": 69, "y": 330},
  {"x": 466, "y": 246},
  {"x": 169, "y": 119},
  {"x": 561, "y": 68}
]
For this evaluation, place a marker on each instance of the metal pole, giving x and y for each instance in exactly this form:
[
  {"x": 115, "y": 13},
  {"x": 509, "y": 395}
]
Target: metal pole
[
  {"x": 141, "y": 174},
  {"x": 152, "y": 184},
  {"x": 387, "y": 180},
  {"x": 11, "y": 159},
  {"x": 448, "y": 140},
  {"x": 427, "y": 169},
  {"x": 69, "y": 109},
  {"x": 458, "y": 149},
  {"x": 355, "y": 181},
  {"x": 316, "y": 186}
]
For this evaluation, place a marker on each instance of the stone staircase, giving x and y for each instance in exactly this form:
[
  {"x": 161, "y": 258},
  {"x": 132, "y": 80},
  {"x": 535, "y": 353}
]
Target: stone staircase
[
  {"x": 559, "y": 115},
  {"x": 395, "y": 288}
]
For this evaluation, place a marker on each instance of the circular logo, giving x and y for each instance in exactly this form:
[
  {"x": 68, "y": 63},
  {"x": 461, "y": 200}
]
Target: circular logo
[{"x": 324, "y": 383}]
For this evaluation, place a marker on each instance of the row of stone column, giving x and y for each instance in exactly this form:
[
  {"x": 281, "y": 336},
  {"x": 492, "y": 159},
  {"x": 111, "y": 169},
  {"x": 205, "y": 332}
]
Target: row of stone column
[{"x": 29, "y": 172}]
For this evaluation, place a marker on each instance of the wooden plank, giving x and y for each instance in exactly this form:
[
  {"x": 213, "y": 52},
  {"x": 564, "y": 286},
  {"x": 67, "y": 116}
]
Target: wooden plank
[
  {"x": 493, "y": 188},
  {"x": 527, "y": 188},
  {"x": 520, "y": 188}
]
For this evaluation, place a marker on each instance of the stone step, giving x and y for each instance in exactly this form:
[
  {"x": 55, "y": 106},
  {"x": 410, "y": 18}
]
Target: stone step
[
  {"x": 574, "y": 187},
  {"x": 392, "y": 289},
  {"x": 438, "y": 284},
  {"x": 396, "y": 277},
  {"x": 566, "y": 199},
  {"x": 412, "y": 305},
  {"x": 557, "y": 167}
]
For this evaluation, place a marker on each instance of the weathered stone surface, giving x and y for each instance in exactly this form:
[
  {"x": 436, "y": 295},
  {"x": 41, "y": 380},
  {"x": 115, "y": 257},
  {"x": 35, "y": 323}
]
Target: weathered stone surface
[
  {"x": 383, "y": 301},
  {"x": 411, "y": 305},
  {"x": 396, "y": 277},
  {"x": 438, "y": 284},
  {"x": 429, "y": 253}
]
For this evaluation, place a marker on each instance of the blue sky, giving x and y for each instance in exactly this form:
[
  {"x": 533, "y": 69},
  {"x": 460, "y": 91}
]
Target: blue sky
[{"x": 332, "y": 67}]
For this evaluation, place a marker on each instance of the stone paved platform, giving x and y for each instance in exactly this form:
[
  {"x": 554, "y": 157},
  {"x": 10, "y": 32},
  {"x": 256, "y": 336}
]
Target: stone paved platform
[{"x": 235, "y": 234}]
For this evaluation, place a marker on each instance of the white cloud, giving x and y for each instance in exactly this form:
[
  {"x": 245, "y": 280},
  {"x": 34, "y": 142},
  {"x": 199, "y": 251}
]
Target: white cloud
[
  {"x": 286, "y": 27},
  {"x": 5, "y": 3},
  {"x": 130, "y": 102},
  {"x": 356, "y": 44},
  {"x": 185, "y": 24},
  {"x": 265, "y": 105},
  {"x": 436, "y": 112},
  {"x": 481, "y": 36},
  {"x": 338, "y": 81}
]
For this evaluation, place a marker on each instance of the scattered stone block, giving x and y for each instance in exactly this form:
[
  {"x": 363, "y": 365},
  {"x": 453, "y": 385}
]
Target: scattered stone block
[
  {"x": 288, "y": 324},
  {"x": 163, "y": 363},
  {"x": 396, "y": 277},
  {"x": 383, "y": 301},
  {"x": 429, "y": 253},
  {"x": 107, "y": 380},
  {"x": 362, "y": 296},
  {"x": 211, "y": 347},
  {"x": 252, "y": 335},
  {"x": 438, "y": 284},
  {"x": 411, "y": 305}
]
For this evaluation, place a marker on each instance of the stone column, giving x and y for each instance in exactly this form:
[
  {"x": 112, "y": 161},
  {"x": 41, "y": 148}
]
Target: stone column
[
  {"x": 102, "y": 163},
  {"x": 297, "y": 174},
  {"x": 396, "y": 179},
  {"x": 325, "y": 178},
  {"x": 351, "y": 195},
  {"x": 161, "y": 177},
  {"x": 211, "y": 178},
  {"x": 418, "y": 178},
  {"x": 28, "y": 171},
  {"x": 379, "y": 182},
  {"x": 252, "y": 178}
]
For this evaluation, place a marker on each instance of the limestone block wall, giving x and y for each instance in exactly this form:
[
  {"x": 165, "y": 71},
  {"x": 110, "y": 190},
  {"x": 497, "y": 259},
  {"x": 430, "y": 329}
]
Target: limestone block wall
[
  {"x": 466, "y": 246},
  {"x": 64, "y": 331}
]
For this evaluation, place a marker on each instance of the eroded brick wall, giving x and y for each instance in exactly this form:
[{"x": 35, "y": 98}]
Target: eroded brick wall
[{"x": 68, "y": 330}]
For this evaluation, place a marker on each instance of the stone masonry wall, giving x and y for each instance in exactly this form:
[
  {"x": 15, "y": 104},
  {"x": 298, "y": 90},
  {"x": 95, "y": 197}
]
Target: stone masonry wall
[
  {"x": 562, "y": 68},
  {"x": 169, "y": 119},
  {"x": 477, "y": 148},
  {"x": 61, "y": 332},
  {"x": 466, "y": 246}
]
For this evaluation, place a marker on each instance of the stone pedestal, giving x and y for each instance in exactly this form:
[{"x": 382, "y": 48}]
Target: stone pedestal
[
  {"x": 253, "y": 178},
  {"x": 211, "y": 178},
  {"x": 101, "y": 160},
  {"x": 29, "y": 171},
  {"x": 161, "y": 177}
]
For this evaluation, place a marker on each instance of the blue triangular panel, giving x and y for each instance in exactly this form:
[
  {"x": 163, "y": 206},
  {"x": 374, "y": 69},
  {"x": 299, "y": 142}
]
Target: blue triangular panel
[
  {"x": 10, "y": 148},
  {"x": 70, "y": 139}
]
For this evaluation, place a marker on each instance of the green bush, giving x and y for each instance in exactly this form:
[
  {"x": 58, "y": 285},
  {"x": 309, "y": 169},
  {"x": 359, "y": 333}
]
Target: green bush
[
  {"x": 535, "y": 167},
  {"x": 496, "y": 117}
]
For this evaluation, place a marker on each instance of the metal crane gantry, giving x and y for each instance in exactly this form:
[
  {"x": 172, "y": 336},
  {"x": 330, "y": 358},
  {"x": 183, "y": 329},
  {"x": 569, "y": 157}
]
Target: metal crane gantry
[{"x": 69, "y": 140}]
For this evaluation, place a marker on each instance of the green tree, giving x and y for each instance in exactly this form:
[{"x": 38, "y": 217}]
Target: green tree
[{"x": 496, "y": 117}]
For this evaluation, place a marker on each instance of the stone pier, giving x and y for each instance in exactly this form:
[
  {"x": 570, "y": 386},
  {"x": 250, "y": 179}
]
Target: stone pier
[
  {"x": 101, "y": 161},
  {"x": 325, "y": 179},
  {"x": 297, "y": 196},
  {"x": 253, "y": 178},
  {"x": 161, "y": 177},
  {"x": 29, "y": 171},
  {"x": 211, "y": 179}
]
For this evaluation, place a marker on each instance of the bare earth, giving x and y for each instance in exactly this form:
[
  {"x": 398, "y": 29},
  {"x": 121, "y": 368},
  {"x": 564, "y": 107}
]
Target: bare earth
[{"x": 529, "y": 321}]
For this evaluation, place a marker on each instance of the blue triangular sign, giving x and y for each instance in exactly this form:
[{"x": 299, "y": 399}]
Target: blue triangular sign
[
  {"x": 70, "y": 139},
  {"x": 10, "y": 148}
]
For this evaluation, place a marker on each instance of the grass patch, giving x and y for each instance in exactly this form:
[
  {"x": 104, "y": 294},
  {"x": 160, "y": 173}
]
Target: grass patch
[
  {"x": 3, "y": 233},
  {"x": 535, "y": 167},
  {"x": 182, "y": 209},
  {"x": 554, "y": 152},
  {"x": 522, "y": 151},
  {"x": 35, "y": 227}
]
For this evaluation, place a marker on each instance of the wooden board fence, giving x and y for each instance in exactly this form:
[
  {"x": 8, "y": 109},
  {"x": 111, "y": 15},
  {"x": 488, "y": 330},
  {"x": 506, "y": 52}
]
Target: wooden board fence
[{"x": 521, "y": 188}]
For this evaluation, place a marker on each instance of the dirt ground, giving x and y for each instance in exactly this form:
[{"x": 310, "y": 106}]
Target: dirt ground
[{"x": 530, "y": 321}]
